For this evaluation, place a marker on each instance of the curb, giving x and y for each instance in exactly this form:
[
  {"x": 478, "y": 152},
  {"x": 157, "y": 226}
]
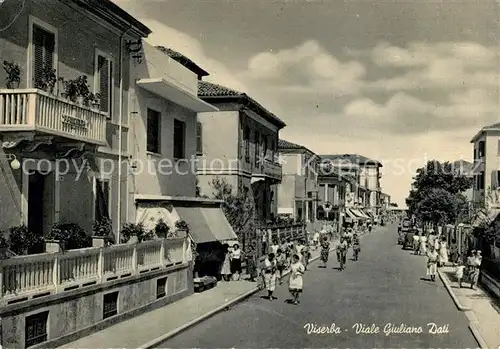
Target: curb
[
  {"x": 446, "y": 283},
  {"x": 469, "y": 313},
  {"x": 178, "y": 330}
]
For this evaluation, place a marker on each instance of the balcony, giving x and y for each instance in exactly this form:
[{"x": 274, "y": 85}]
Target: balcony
[
  {"x": 272, "y": 170},
  {"x": 311, "y": 186},
  {"x": 32, "y": 110}
]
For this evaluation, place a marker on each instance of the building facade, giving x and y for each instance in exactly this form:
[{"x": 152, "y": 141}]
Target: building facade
[
  {"x": 486, "y": 168},
  {"x": 239, "y": 144},
  {"x": 61, "y": 150},
  {"x": 298, "y": 190}
]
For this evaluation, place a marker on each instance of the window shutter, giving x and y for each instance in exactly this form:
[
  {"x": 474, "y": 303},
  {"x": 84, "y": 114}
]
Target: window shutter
[
  {"x": 199, "y": 138},
  {"x": 104, "y": 68},
  {"x": 43, "y": 52}
]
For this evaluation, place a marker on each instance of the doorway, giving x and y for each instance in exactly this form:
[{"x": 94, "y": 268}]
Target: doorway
[{"x": 40, "y": 202}]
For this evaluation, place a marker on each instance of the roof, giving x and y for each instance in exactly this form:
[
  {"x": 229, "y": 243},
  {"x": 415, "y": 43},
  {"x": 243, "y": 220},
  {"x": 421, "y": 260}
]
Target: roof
[
  {"x": 286, "y": 145},
  {"x": 352, "y": 158},
  {"x": 115, "y": 15},
  {"x": 212, "y": 93},
  {"x": 463, "y": 166},
  {"x": 494, "y": 127},
  {"x": 179, "y": 57}
]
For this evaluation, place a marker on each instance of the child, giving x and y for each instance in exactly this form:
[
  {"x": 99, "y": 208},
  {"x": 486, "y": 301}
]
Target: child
[
  {"x": 295, "y": 283},
  {"x": 459, "y": 272},
  {"x": 280, "y": 264}
]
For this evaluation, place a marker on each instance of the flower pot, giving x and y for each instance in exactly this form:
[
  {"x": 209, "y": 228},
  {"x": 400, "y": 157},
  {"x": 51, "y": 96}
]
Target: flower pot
[
  {"x": 54, "y": 246},
  {"x": 133, "y": 240},
  {"x": 99, "y": 241},
  {"x": 180, "y": 234},
  {"x": 79, "y": 100}
]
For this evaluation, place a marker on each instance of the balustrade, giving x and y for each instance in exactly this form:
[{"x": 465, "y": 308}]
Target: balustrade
[{"x": 24, "y": 277}]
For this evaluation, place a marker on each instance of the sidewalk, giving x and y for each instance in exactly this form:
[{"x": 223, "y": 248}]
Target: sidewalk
[
  {"x": 482, "y": 311},
  {"x": 148, "y": 329}
]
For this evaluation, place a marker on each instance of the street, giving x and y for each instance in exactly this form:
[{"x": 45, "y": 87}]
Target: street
[{"x": 387, "y": 285}]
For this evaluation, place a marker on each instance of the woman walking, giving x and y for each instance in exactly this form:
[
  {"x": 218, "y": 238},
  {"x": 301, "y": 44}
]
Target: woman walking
[
  {"x": 281, "y": 262},
  {"x": 295, "y": 283},
  {"x": 236, "y": 262},
  {"x": 269, "y": 270},
  {"x": 325, "y": 250},
  {"x": 423, "y": 245},
  {"x": 432, "y": 260},
  {"x": 226, "y": 265},
  {"x": 443, "y": 253},
  {"x": 473, "y": 264}
]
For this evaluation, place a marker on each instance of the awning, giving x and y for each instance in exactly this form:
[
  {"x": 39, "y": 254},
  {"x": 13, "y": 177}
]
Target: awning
[
  {"x": 485, "y": 218},
  {"x": 206, "y": 224},
  {"x": 350, "y": 214},
  {"x": 358, "y": 213},
  {"x": 149, "y": 213},
  {"x": 163, "y": 88},
  {"x": 365, "y": 215},
  {"x": 369, "y": 214}
]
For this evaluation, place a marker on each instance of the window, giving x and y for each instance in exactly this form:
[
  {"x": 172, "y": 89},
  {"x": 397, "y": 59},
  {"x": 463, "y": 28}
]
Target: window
[
  {"x": 481, "y": 181},
  {"x": 44, "y": 45},
  {"x": 498, "y": 152},
  {"x": 110, "y": 305},
  {"x": 101, "y": 199},
  {"x": 257, "y": 142},
  {"x": 271, "y": 146},
  {"x": 498, "y": 179},
  {"x": 246, "y": 139},
  {"x": 179, "y": 139},
  {"x": 153, "y": 131},
  {"x": 104, "y": 82},
  {"x": 264, "y": 145},
  {"x": 36, "y": 329},
  {"x": 481, "y": 149},
  {"x": 199, "y": 138},
  {"x": 161, "y": 287}
]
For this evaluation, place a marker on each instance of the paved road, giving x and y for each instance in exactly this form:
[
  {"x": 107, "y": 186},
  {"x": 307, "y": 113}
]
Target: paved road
[{"x": 384, "y": 286}]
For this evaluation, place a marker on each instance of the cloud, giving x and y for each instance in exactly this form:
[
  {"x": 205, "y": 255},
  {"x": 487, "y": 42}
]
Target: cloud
[
  {"x": 307, "y": 67},
  {"x": 437, "y": 65}
]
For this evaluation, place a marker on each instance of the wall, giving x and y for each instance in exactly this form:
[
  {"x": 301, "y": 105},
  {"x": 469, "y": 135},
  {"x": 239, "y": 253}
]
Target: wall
[
  {"x": 10, "y": 194},
  {"x": 179, "y": 177},
  {"x": 292, "y": 163},
  {"x": 286, "y": 194},
  {"x": 79, "y": 312}
]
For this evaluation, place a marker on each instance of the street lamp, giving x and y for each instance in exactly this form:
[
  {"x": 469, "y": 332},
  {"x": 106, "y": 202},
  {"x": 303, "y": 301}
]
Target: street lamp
[{"x": 14, "y": 164}]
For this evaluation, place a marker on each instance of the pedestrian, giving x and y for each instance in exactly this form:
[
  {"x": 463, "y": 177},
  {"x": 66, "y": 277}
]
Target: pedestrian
[
  {"x": 443, "y": 252},
  {"x": 281, "y": 264},
  {"x": 295, "y": 283},
  {"x": 459, "y": 272},
  {"x": 274, "y": 247},
  {"x": 432, "y": 260},
  {"x": 306, "y": 254},
  {"x": 236, "y": 262},
  {"x": 269, "y": 271},
  {"x": 423, "y": 245},
  {"x": 341, "y": 253},
  {"x": 316, "y": 240},
  {"x": 298, "y": 250},
  {"x": 356, "y": 246},
  {"x": 226, "y": 264},
  {"x": 325, "y": 250},
  {"x": 473, "y": 264},
  {"x": 416, "y": 241}
]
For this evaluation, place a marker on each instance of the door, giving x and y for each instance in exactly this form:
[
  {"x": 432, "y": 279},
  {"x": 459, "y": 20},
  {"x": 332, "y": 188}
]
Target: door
[{"x": 36, "y": 189}]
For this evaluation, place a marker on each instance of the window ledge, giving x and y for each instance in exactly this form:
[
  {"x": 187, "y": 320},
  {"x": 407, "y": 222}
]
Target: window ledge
[{"x": 156, "y": 155}]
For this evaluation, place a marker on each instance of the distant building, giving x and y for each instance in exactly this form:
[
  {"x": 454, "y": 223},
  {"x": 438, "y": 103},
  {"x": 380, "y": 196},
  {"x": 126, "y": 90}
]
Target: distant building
[
  {"x": 298, "y": 190},
  {"x": 465, "y": 168}
]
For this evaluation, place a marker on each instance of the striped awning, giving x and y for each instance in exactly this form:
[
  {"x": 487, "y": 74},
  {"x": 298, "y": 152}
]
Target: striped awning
[{"x": 350, "y": 214}]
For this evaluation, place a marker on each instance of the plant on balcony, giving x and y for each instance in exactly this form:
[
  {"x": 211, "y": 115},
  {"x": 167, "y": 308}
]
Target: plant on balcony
[
  {"x": 13, "y": 71},
  {"x": 47, "y": 79},
  {"x": 132, "y": 232},
  {"x": 181, "y": 225},
  {"x": 78, "y": 90},
  {"x": 161, "y": 229},
  {"x": 70, "y": 235},
  {"x": 22, "y": 241},
  {"x": 103, "y": 229}
]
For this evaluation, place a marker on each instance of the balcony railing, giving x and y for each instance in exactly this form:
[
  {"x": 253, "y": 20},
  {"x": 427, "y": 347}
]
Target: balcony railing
[
  {"x": 35, "y": 276},
  {"x": 35, "y": 110},
  {"x": 272, "y": 170}
]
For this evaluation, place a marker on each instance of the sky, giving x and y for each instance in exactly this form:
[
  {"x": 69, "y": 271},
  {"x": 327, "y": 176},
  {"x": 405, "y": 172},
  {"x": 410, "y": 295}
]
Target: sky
[{"x": 401, "y": 82}]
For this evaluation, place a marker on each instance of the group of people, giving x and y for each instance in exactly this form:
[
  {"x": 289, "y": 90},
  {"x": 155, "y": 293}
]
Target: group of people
[
  {"x": 438, "y": 255},
  {"x": 287, "y": 255}
]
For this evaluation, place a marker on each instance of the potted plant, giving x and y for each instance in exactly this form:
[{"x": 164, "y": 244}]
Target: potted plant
[
  {"x": 68, "y": 236},
  {"x": 22, "y": 241},
  {"x": 161, "y": 229},
  {"x": 13, "y": 71},
  {"x": 47, "y": 81},
  {"x": 181, "y": 228},
  {"x": 76, "y": 90},
  {"x": 102, "y": 233},
  {"x": 132, "y": 233}
]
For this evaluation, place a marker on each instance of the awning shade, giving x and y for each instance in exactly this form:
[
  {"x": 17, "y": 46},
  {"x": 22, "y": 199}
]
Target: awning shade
[
  {"x": 358, "y": 213},
  {"x": 218, "y": 223},
  {"x": 149, "y": 214},
  {"x": 199, "y": 230},
  {"x": 364, "y": 214},
  {"x": 206, "y": 224},
  {"x": 350, "y": 214}
]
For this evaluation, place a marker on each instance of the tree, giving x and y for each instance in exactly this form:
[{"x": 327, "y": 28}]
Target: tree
[
  {"x": 436, "y": 195},
  {"x": 239, "y": 210}
]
